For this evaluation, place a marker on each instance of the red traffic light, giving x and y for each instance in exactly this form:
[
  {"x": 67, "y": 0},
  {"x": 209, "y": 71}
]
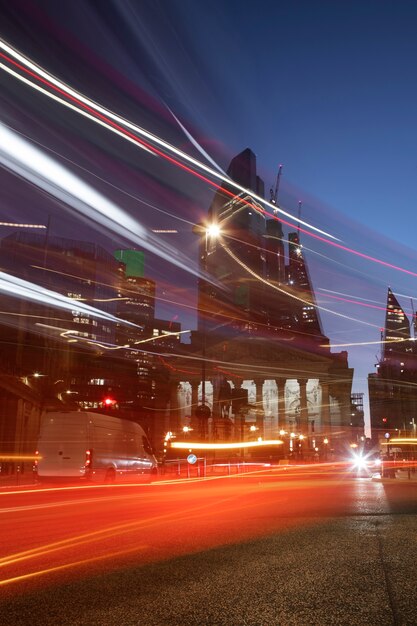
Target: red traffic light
[
  {"x": 384, "y": 419},
  {"x": 109, "y": 401}
]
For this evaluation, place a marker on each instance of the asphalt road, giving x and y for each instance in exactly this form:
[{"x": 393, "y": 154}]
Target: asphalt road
[{"x": 276, "y": 547}]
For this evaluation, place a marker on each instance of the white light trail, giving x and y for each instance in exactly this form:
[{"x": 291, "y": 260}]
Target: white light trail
[
  {"x": 347, "y": 295},
  {"x": 29, "y": 162},
  {"x": 291, "y": 295},
  {"x": 137, "y": 129},
  {"x": 13, "y": 225},
  {"x": 19, "y": 288}
]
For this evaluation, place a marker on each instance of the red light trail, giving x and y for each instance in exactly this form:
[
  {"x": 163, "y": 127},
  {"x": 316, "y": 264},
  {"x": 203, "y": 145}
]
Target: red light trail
[{"x": 144, "y": 144}]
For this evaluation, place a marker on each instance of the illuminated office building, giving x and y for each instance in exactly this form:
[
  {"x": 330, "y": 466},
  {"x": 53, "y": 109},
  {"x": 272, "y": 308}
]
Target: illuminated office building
[
  {"x": 259, "y": 333},
  {"x": 257, "y": 285},
  {"x": 392, "y": 388}
]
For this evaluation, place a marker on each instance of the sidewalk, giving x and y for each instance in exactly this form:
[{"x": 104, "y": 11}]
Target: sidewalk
[{"x": 401, "y": 475}]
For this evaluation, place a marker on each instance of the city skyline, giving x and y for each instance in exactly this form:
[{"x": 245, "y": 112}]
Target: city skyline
[{"x": 317, "y": 101}]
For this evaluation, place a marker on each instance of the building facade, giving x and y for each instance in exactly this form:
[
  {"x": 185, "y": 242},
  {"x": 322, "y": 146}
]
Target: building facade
[
  {"x": 392, "y": 388},
  {"x": 259, "y": 331}
]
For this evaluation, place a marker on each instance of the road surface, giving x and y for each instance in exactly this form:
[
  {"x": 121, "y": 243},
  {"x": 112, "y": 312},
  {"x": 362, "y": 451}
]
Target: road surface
[{"x": 279, "y": 546}]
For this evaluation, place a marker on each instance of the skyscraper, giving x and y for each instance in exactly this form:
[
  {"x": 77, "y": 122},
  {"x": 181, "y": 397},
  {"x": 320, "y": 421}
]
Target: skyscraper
[
  {"x": 256, "y": 286},
  {"x": 392, "y": 396},
  {"x": 396, "y": 333}
]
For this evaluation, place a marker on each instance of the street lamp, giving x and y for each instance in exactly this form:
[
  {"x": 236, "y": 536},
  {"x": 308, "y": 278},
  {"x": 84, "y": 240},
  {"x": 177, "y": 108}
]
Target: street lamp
[
  {"x": 209, "y": 231},
  {"x": 325, "y": 441}
]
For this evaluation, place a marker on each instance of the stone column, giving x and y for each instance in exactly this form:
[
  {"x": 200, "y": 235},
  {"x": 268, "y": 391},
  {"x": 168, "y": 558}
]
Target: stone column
[
  {"x": 303, "y": 426},
  {"x": 325, "y": 407},
  {"x": 282, "y": 418},
  {"x": 259, "y": 382},
  {"x": 194, "y": 404},
  {"x": 239, "y": 416}
]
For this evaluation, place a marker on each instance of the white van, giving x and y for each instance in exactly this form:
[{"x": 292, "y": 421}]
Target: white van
[{"x": 92, "y": 446}]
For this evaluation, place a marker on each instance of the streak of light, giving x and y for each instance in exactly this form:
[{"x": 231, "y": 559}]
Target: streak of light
[
  {"x": 118, "y": 299},
  {"x": 52, "y": 82},
  {"x": 168, "y": 301},
  {"x": 29, "y": 162},
  {"x": 365, "y": 343},
  {"x": 18, "y": 287},
  {"x": 192, "y": 445},
  {"x": 103, "y": 180},
  {"x": 72, "y": 488},
  {"x": 177, "y": 369},
  {"x": 109, "y": 555},
  {"x": 40, "y": 74},
  {"x": 11, "y": 224},
  {"x": 347, "y": 295},
  {"x": 164, "y": 335},
  {"x": 402, "y": 440},
  {"x": 244, "y": 368},
  {"x": 105, "y": 533},
  {"x": 197, "y": 145},
  {"x": 227, "y": 372},
  {"x": 291, "y": 295},
  {"x": 43, "y": 317},
  {"x": 165, "y": 231},
  {"x": 353, "y": 301},
  {"x": 57, "y": 504},
  {"x": 19, "y": 457},
  {"x": 125, "y": 289},
  {"x": 73, "y": 336}
]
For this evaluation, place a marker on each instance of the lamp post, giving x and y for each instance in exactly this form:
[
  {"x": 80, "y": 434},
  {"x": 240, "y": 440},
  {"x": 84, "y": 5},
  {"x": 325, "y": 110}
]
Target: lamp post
[
  {"x": 300, "y": 446},
  {"x": 203, "y": 412},
  {"x": 326, "y": 443}
]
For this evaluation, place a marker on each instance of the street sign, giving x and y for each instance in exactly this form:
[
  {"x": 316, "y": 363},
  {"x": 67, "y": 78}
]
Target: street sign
[{"x": 191, "y": 458}]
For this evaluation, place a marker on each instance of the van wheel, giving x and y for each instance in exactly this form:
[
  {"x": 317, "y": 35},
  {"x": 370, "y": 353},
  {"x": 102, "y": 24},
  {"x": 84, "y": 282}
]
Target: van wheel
[{"x": 110, "y": 476}]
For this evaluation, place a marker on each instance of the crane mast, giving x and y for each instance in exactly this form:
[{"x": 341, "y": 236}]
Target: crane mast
[{"x": 274, "y": 191}]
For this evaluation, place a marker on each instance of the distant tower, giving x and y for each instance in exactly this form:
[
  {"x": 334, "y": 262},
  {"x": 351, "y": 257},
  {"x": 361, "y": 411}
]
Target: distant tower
[{"x": 397, "y": 329}]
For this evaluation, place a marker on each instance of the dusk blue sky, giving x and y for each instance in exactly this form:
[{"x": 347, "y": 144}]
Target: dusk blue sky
[{"x": 328, "y": 89}]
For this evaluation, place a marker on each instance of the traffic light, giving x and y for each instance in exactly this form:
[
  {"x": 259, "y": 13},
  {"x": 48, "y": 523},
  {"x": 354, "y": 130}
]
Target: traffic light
[
  {"x": 109, "y": 402},
  {"x": 384, "y": 420}
]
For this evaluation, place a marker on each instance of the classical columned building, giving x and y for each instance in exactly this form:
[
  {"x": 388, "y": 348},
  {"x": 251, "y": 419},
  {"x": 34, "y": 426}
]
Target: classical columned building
[
  {"x": 262, "y": 383},
  {"x": 260, "y": 346}
]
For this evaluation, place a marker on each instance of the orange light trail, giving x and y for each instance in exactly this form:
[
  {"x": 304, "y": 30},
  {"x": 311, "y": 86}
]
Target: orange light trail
[
  {"x": 184, "y": 445},
  {"x": 16, "y": 579},
  {"x": 19, "y": 457}
]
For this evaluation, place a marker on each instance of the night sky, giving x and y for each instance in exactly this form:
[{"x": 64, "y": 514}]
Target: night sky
[{"x": 328, "y": 89}]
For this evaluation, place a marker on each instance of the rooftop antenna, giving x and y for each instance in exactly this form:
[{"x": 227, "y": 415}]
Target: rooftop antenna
[
  {"x": 300, "y": 204},
  {"x": 274, "y": 192}
]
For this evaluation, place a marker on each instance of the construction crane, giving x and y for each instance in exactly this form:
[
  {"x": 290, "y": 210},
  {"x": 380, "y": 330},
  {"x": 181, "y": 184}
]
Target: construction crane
[{"x": 274, "y": 192}]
